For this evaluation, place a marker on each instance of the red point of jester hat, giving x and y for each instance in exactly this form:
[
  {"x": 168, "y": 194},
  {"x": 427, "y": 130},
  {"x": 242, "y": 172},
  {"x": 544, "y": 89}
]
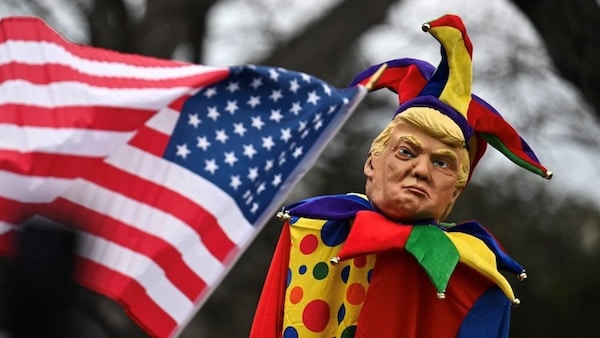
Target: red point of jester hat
[
  {"x": 455, "y": 21},
  {"x": 447, "y": 89}
]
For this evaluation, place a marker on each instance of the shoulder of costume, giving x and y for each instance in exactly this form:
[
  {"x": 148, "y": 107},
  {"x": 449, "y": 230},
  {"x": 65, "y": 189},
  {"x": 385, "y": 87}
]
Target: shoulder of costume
[
  {"x": 331, "y": 207},
  {"x": 479, "y": 249},
  {"x": 469, "y": 242},
  {"x": 475, "y": 229}
]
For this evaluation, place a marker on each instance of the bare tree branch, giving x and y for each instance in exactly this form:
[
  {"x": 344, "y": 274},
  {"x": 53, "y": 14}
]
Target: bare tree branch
[
  {"x": 321, "y": 48},
  {"x": 110, "y": 25},
  {"x": 570, "y": 32}
]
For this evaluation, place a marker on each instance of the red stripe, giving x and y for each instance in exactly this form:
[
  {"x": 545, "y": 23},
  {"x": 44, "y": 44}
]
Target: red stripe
[
  {"x": 17, "y": 212},
  {"x": 47, "y": 165},
  {"x": 177, "y": 105},
  {"x": 161, "y": 252},
  {"x": 7, "y": 243},
  {"x": 159, "y": 197},
  {"x": 35, "y": 30},
  {"x": 127, "y": 292},
  {"x": 54, "y": 73},
  {"x": 89, "y": 117},
  {"x": 76, "y": 216},
  {"x": 151, "y": 141}
]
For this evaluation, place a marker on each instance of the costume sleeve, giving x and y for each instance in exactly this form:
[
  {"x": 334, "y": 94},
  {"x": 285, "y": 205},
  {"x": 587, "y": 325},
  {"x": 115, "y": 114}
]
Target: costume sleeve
[
  {"x": 268, "y": 318},
  {"x": 488, "y": 317}
]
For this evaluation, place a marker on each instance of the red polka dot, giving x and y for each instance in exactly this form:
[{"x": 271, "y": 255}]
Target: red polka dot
[
  {"x": 316, "y": 315},
  {"x": 355, "y": 294},
  {"x": 309, "y": 244},
  {"x": 360, "y": 261},
  {"x": 296, "y": 295}
]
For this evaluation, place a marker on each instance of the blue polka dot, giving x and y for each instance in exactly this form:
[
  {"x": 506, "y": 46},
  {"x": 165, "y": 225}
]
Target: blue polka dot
[
  {"x": 302, "y": 269},
  {"x": 335, "y": 232},
  {"x": 289, "y": 277},
  {"x": 294, "y": 219},
  {"x": 369, "y": 275},
  {"x": 341, "y": 313},
  {"x": 290, "y": 332},
  {"x": 345, "y": 273}
]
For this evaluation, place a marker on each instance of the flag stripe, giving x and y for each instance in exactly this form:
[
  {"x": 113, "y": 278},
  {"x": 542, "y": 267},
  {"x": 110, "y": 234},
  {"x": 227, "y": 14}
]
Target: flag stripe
[
  {"x": 154, "y": 136},
  {"x": 189, "y": 185},
  {"x": 85, "y": 219},
  {"x": 15, "y": 212},
  {"x": 88, "y": 117},
  {"x": 78, "y": 94},
  {"x": 164, "y": 121},
  {"x": 144, "y": 191},
  {"x": 21, "y": 31},
  {"x": 42, "y": 74},
  {"x": 148, "y": 220},
  {"x": 128, "y": 292},
  {"x": 5, "y": 227},
  {"x": 7, "y": 241},
  {"x": 122, "y": 289},
  {"x": 167, "y": 257},
  {"x": 139, "y": 267},
  {"x": 112, "y": 64},
  {"x": 42, "y": 165},
  {"x": 96, "y": 143},
  {"x": 150, "y": 140},
  {"x": 31, "y": 189}
]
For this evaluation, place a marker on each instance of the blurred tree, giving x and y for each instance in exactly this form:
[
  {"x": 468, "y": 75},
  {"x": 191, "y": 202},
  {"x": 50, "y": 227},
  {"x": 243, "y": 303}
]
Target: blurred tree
[
  {"x": 569, "y": 30},
  {"x": 557, "y": 239}
]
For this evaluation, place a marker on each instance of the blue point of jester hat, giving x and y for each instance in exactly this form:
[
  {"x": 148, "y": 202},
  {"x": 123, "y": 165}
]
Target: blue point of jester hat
[{"x": 448, "y": 90}]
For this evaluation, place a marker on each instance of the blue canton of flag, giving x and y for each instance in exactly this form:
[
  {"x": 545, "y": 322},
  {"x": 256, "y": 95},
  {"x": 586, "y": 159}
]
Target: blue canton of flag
[{"x": 255, "y": 133}]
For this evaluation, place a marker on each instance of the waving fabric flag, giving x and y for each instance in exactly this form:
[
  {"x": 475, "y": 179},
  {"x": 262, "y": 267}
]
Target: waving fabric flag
[{"x": 168, "y": 170}]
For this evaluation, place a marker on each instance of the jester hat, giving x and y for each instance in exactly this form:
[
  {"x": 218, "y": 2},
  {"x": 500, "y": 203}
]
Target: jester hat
[{"x": 448, "y": 90}]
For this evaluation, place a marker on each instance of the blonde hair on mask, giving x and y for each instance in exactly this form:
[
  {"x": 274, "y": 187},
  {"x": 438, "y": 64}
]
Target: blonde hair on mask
[{"x": 435, "y": 124}]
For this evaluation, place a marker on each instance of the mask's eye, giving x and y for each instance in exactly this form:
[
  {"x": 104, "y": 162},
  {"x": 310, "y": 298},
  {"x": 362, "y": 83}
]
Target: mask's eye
[
  {"x": 441, "y": 164},
  {"x": 405, "y": 152}
]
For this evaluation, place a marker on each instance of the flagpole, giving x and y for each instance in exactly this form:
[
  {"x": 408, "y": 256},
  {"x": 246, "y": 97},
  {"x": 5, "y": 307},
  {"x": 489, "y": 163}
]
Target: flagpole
[{"x": 375, "y": 77}]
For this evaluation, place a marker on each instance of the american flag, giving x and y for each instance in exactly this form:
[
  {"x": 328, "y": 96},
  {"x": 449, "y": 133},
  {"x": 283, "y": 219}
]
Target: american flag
[{"x": 167, "y": 170}]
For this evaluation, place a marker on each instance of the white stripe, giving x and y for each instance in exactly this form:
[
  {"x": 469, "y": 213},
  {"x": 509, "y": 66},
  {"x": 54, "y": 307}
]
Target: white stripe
[
  {"x": 149, "y": 220},
  {"x": 140, "y": 268},
  {"x": 68, "y": 141},
  {"x": 74, "y": 93},
  {"x": 31, "y": 189},
  {"x": 190, "y": 185},
  {"x": 6, "y": 227},
  {"x": 40, "y": 53},
  {"x": 164, "y": 121}
]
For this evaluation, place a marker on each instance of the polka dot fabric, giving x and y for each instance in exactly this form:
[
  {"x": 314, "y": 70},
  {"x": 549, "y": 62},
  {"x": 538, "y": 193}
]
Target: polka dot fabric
[{"x": 323, "y": 300}]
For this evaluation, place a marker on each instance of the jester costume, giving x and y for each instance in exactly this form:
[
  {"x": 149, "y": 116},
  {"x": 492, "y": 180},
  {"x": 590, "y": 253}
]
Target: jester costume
[{"x": 342, "y": 269}]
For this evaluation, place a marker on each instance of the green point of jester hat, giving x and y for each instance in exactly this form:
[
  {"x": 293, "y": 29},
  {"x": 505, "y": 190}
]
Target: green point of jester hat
[{"x": 448, "y": 90}]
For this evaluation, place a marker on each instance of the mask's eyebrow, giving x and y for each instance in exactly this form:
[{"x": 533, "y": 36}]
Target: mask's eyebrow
[
  {"x": 447, "y": 155},
  {"x": 411, "y": 140}
]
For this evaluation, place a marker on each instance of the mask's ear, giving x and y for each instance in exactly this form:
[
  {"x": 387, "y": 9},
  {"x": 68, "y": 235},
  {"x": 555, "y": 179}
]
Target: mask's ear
[
  {"x": 368, "y": 167},
  {"x": 457, "y": 193}
]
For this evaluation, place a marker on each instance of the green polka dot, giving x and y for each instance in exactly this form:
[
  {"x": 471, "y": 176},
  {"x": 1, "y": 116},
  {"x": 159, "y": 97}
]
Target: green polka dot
[
  {"x": 321, "y": 270},
  {"x": 349, "y": 332}
]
